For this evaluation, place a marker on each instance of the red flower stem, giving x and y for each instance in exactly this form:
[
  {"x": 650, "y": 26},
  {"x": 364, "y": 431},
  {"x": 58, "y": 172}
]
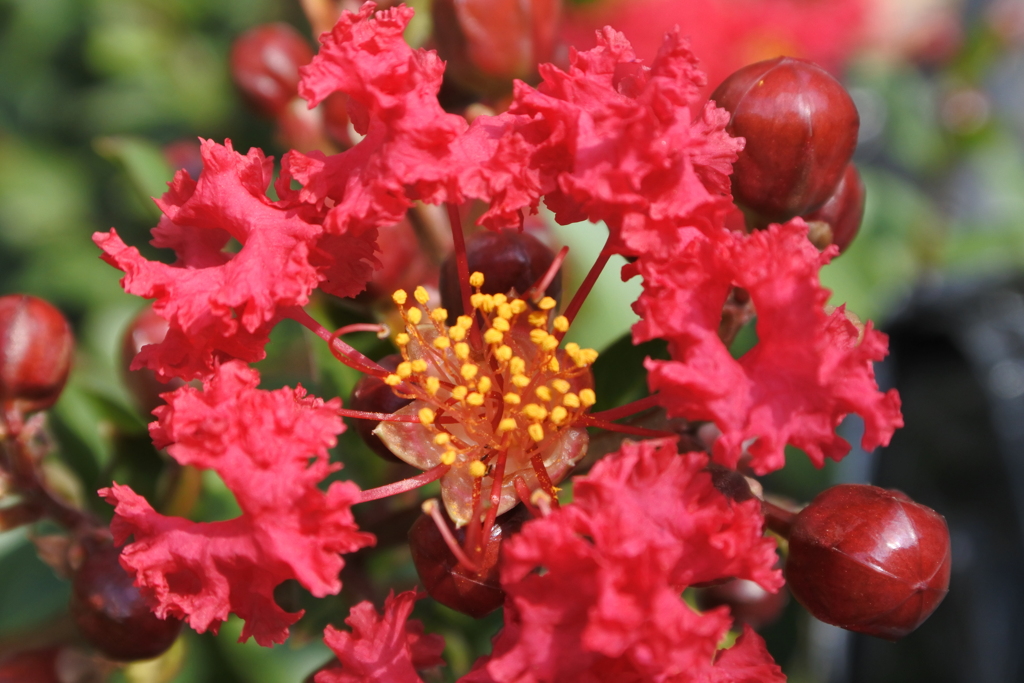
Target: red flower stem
[
  {"x": 536, "y": 291},
  {"x": 361, "y": 327},
  {"x": 433, "y": 474},
  {"x": 778, "y": 519},
  {"x": 431, "y": 508},
  {"x": 591, "y": 421},
  {"x": 542, "y": 476},
  {"x": 498, "y": 479},
  {"x": 461, "y": 259},
  {"x": 588, "y": 283},
  {"x": 342, "y": 351},
  {"x": 627, "y": 409},
  {"x": 524, "y": 494},
  {"x": 378, "y": 417}
]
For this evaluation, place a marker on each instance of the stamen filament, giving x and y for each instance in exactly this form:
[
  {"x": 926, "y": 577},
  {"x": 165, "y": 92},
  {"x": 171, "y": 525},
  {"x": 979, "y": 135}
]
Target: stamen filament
[
  {"x": 339, "y": 349},
  {"x": 433, "y": 509},
  {"x": 588, "y": 284},
  {"x": 590, "y": 421},
  {"x": 628, "y": 409},
  {"x": 379, "y": 417},
  {"x": 422, "y": 479},
  {"x": 537, "y": 289},
  {"x": 461, "y": 259}
]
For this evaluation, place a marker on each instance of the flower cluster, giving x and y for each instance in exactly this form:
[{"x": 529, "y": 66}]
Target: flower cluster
[{"x": 593, "y": 588}]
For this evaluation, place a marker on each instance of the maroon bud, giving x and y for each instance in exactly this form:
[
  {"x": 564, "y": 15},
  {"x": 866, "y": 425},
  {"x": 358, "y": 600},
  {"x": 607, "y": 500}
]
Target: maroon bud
[
  {"x": 265, "y": 65},
  {"x": 489, "y": 43},
  {"x": 474, "y": 593},
  {"x": 144, "y": 386},
  {"x": 373, "y": 396},
  {"x": 36, "y": 346},
  {"x": 869, "y": 560},
  {"x": 843, "y": 211},
  {"x": 749, "y": 603},
  {"x": 30, "y": 666},
  {"x": 800, "y": 127},
  {"x": 510, "y": 261},
  {"x": 111, "y": 613}
]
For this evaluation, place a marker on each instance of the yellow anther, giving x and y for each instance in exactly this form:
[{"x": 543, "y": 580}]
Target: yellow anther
[
  {"x": 571, "y": 401},
  {"x": 443, "y": 439},
  {"x": 433, "y": 384},
  {"x": 585, "y": 357},
  {"x": 547, "y": 303},
  {"x": 536, "y": 432},
  {"x": 475, "y": 399},
  {"x": 426, "y": 416},
  {"x": 561, "y": 386},
  {"x": 512, "y": 399},
  {"x": 520, "y": 381},
  {"x": 543, "y": 393},
  {"x": 442, "y": 342},
  {"x": 538, "y": 335},
  {"x": 503, "y": 353},
  {"x": 439, "y": 315},
  {"x": 518, "y": 306},
  {"x": 476, "y": 300},
  {"x": 401, "y": 339},
  {"x": 561, "y": 323},
  {"x": 459, "y": 392},
  {"x": 507, "y": 425},
  {"x": 421, "y": 295},
  {"x": 457, "y": 333},
  {"x": 476, "y": 279},
  {"x": 465, "y": 322},
  {"x": 553, "y": 364},
  {"x": 487, "y": 303},
  {"x": 572, "y": 348},
  {"x": 505, "y": 311},
  {"x": 501, "y": 324},
  {"x": 404, "y": 369},
  {"x": 550, "y": 343},
  {"x": 499, "y": 299},
  {"x": 517, "y": 365},
  {"x": 392, "y": 380},
  {"x": 538, "y": 318},
  {"x": 588, "y": 397},
  {"x": 448, "y": 457},
  {"x": 462, "y": 350},
  {"x": 468, "y": 371},
  {"x": 415, "y": 315},
  {"x": 400, "y": 297},
  {"x": 419, "y": 365},
  {"x": 534, "y": 411},
  {"x": 477, "y": 469},
  {"x": 558, "y": 415},
  {"x": 493, "y": 336},
  {"x": 483, "y": 385}
]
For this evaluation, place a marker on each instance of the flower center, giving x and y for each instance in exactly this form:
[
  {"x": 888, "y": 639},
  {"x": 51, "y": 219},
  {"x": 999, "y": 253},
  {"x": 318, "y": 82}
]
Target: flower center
[{"x": 496, "y": 397}]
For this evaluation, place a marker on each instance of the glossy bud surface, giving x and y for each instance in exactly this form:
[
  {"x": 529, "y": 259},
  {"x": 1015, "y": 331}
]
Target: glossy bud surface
[
  {"x": 844, "y": 210},
  {"x": 509, "y": 260},
  {"x": 800, "y": 127},
  {"x": 146, "y": 328},
  {"x": 371, "y": 395},
  {"x": 869, "y": 560},
  {"x": 265, "y": 65},
  {"x": 448, "y": 582},
  {"x": 36, "y": 347},
  {"x": 111, "y": 613}
]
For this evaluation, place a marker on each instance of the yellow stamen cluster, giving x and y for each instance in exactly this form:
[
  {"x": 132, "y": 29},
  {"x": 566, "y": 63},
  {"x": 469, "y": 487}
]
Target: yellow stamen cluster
[{"x": 492, "y": 387}]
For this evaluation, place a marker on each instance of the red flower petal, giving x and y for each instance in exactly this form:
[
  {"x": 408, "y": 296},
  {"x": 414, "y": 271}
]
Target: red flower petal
[
  {"x": 382, "y": 649},
  {"x": 747, "y": 661},
  {"x": 261, "y": 444}
]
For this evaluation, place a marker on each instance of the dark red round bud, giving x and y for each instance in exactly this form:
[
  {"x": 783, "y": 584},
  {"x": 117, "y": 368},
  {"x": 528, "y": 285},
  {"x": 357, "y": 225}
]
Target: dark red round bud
[
  {"x": 36, "y": 346},
  {"x": 146, "y": 328},
  {"x": 749, "y": 603},
  {"x": 489, "y": 43},
  {"x": 869, "y": 560},
  {"x": 111, "y": 613},
  {"x": 474, "y": 593},
  {"x": 30, "y": 666},
  {"x": 800, "y": 127},
  {"x": 843, "y": 211},
  {"x": 373, "y": 396},
  {"x": 265, "y": 65},
  {"x": 511, "y": 261}
]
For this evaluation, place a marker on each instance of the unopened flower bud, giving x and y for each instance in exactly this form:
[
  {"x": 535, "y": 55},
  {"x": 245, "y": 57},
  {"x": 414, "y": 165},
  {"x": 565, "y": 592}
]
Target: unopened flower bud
[
  {"x": 265, "y": 65},
  {"x": 36, "y": 346}
]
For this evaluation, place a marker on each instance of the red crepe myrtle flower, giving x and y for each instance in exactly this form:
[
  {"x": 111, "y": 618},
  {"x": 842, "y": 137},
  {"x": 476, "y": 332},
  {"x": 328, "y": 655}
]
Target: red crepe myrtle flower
[
  {"x": 382, "y": 649},
  {"x": 261, "y": 443},
  {"x": 808, "y": 370},
  {"x": 594, "y": 588}
]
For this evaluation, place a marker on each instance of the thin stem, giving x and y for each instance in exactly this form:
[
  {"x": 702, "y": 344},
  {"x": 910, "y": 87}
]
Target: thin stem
[
  {"x": 627, "y": 409},
  {"x": 498, "y": 477},
  {"x": 524, "y": 493},
  {"x": 433, "y": 509},
  {"x": 591, "y": 421},
  {"x": 377, "y": 417},
  {"x": 380, "y": 330},
  {"x": 461, "y": 259},
  {"x": 342, "y": 351},
  {"x": 778, "y": 519},
  {"x": 588, "y": 282},
  {"x": 537, "y": 289},
  {"x": 422, "y": 479}
]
